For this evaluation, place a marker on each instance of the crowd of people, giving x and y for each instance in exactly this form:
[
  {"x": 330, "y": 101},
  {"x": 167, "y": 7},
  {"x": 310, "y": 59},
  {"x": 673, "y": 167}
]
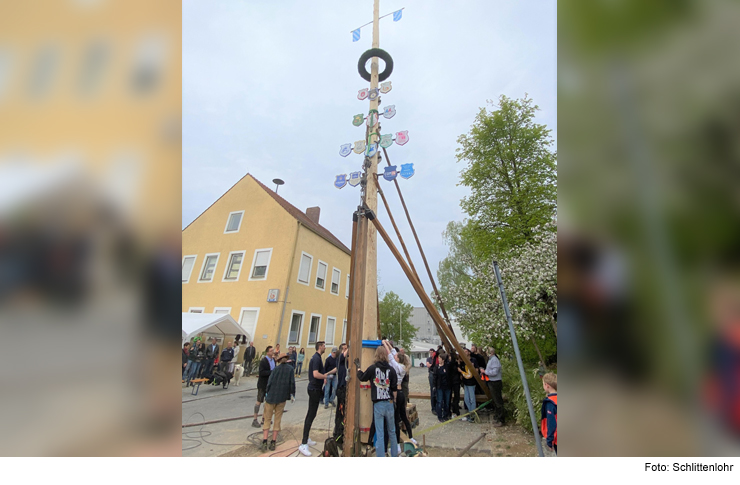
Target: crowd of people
[{"x": 388, "y": 377}]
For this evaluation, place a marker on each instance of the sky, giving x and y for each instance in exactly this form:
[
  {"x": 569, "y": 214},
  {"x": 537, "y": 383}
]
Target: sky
[{"x": 270, "y": 88}]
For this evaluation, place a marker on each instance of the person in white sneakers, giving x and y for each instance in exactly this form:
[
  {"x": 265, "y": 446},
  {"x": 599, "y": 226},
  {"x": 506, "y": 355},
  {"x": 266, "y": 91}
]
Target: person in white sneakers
[
  {"x": 401, "y": 364},
  {"x": 316, "y": 378}
]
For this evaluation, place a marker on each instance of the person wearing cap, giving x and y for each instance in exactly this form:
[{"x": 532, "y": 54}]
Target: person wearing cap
[
  {"x": 330, "y": 388},
  {"x": 280, "y": 388}
]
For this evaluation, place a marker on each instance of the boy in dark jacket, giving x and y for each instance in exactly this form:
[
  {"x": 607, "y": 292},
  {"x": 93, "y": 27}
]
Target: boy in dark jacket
[
  {"x": 549, "y": 423},
  {"x": 280, "y": 388},
  {"x": 267, "y": 364},
  {"x": 443, "y": 382}
]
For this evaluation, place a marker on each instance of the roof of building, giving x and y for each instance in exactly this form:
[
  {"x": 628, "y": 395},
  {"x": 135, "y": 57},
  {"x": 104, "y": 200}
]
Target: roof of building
[{"x": 297, "y": 214}]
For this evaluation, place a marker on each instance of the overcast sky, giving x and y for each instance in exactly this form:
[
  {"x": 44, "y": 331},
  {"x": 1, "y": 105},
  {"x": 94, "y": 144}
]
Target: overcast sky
[{"x": 270, "y": 88}]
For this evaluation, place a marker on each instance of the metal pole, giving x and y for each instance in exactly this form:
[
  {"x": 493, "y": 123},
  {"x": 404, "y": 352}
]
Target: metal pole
[{"x": 523, "y": 374}]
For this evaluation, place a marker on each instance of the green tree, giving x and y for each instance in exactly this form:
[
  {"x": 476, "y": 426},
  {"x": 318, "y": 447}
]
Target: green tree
[
  {"x": 511, "y": 171},
  {"x": 394, "y": 319}
]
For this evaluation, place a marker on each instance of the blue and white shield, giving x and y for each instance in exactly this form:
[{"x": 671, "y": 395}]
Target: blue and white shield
[
  {"x": 354, "y": 178},
  {"x": 341, "y": 181},
  {"x": 345, "y": 150},
  {"x": 390, "y": 173},
  {"x": 389, "y": 111},
  {"x": 386, "y": 140},
  {"x": 372, "y": 149},
  {"x": 374, "y": 94},
  {"x": 407, "y": 170}
]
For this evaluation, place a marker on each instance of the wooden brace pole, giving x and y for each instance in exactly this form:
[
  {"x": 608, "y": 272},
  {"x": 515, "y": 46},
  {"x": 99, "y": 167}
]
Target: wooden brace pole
[{"x": 427, "y": 302}]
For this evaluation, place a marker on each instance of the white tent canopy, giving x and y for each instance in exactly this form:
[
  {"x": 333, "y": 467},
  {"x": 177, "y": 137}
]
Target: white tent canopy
[{"x": 223, "y": 323}]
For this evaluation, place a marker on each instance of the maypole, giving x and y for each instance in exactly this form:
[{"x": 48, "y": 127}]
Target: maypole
[{"x": 363, "y": 304}]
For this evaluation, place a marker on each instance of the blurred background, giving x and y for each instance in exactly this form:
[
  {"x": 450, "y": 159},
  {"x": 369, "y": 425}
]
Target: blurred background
[
  {"x": 90, "y": 157},
  {"x": 649, "y": 227}
]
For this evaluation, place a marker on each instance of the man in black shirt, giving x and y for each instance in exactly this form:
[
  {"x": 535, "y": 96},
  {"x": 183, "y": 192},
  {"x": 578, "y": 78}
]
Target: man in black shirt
[
  {"x": 316, "y": 378},
  {"x": 431, "y": 362}
]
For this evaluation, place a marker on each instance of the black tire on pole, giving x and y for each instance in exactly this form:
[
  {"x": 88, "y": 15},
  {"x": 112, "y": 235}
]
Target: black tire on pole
[{"x": 375, "y": 52}]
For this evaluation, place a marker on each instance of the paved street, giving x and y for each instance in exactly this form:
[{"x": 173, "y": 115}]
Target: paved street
[{"x": 233, "y": 437}]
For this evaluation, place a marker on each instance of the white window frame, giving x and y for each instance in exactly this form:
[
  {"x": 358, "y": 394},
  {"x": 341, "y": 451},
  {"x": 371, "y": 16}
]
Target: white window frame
[
  {"x": 203, "y": 266},
  {"x": 241, "y": 219},
  {"x": 346, "y": 292},
  {"x": 318, "y": 330},
  {"x": 227, "y": 308},
  {"x": 339, "y": 282},
  {"x": 228, "y": 263},
  {"x": 256, "y": 319},
  {"x": 310, "y": 269},
  {"x": 344, "y": 332},
  {"x": 201, "y": 308},
  {"x": 326, "y": 332},
  {"x": 315, "y": 285},
  {"x": 254, "y": 260},
  {"x": 300, "y": 331},
  {"x": 195, "y": 259}
]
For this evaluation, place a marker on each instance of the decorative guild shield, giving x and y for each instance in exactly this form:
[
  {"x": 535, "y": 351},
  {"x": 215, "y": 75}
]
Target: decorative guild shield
[
  {"x": 386, "y": 140},
  {"x": 389, "y": 111},
  {"x": 354, "y": 178},
  {"x": 385, "y": 87},
  {"x": 390, "y": 173},
  {"x": 362, "y": 93},
  {"x": 358, "y": 119},
  {"x": 359, "y": 146},
  {"x": 372, "y": 149},
  {"x": 372, "y": 118},
  {"x": 374, "y": 94},
  {"x": 345, "y": 150},
  {"x": 402, "y": 137},
  {"x": 407, "y": 170},
  {"x": 341, "y": 181}
]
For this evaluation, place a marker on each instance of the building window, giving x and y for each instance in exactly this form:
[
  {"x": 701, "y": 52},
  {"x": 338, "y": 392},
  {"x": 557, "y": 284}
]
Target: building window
[
  {"x": 344, "y": 332},
  {"x": 294, "y": 335},
  {"x": 234, "y": 266},
  {"x": 346, "y": 293},
  {"x": 222, "y": 310},
  {"x": 304, "y": 272},
  {"x": 248, "y": 321},
  {"x": 336, "y": 275},
  {"x": 331, "y": 323},
  {"x": 209, "y": 266},
  {"x": 234, "y": 222},
  {"x": 187, "y": 267},
  {"x": 196, "y": 309},
  {"x": 260, "y": 264},
  {"x": 321, "y": 276},
  {"x": 313, "y": 330}
]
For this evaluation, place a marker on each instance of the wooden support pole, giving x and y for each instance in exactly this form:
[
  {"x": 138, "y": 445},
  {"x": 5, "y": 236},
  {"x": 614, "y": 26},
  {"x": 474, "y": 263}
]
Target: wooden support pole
[
  {"x": 427, "y": 302},
  {"x": 467, "y": 448},
  {"x": 421, "y": 251},
  {"x": 442, "y": 336}
]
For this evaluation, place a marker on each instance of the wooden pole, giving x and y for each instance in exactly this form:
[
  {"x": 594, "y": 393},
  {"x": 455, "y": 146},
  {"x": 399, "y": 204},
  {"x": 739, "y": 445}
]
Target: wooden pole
[
  {"x": 421, "y": 251},
  {"x": 467, "y": 448},
  {"x": 370, "y": 244},
  {"x": 427, "y": 302},
  {"x": 442, "y": 336},
  {"x": 350, "y": 419}
]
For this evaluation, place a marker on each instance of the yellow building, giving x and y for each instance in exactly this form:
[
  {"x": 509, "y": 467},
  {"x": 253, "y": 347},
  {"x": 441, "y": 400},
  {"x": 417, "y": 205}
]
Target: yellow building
[{"x": 251, "y": 242}]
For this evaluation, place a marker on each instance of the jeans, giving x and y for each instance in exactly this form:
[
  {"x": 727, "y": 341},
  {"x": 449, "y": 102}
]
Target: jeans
[
  {"x": 432, "y": 393},
  {"x": 186, "y": 370},
  {"x": 298, "y": 369},
  {"x": 443, "y": 403},
  {"x": 314, "y": 397},
  {"x": 330, "y": 389},
  {"x": 207, "y": 367},
  {"x": 455, "y": 399},
  {"x": 384, "y": 416},
  {"x": 194, "y": 368},
  {"x": 248, "y": 367},
  {"x": 498, "y": 400},
  {"x": 470, "y": 397}
]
